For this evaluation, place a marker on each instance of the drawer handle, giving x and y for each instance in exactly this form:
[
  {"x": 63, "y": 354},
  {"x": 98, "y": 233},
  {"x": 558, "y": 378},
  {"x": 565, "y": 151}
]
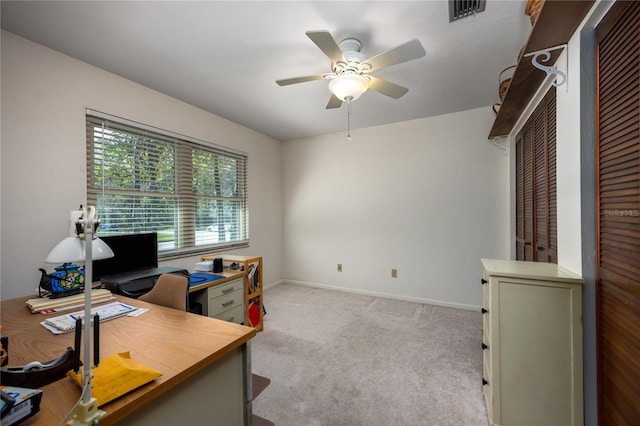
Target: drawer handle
[
  {"x": 228, "y": 290},
  {"x": 484, "y": 382},
  {"x": 230, "y": 302},
  {"x": 231, "y": 319},
  {"x": 484, "y": 311},
  {"x": 484, "y": 346},
  {"x": 483, "y": 281}
]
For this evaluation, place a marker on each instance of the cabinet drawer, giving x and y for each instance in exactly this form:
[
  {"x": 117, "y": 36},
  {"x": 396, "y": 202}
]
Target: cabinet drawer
[
  {"x": 225, "y": 289},
  {"x": 225, "y": 302},
  {"x": 232, "y": 315}
]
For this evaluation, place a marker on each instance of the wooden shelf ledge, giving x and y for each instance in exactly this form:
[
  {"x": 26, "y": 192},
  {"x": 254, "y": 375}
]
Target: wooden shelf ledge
[{"x": 557, "y": 22}]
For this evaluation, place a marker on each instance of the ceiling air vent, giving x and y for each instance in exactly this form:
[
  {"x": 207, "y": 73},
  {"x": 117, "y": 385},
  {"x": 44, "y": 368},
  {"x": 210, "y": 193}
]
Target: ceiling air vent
[{"x": 461, "y": 8}]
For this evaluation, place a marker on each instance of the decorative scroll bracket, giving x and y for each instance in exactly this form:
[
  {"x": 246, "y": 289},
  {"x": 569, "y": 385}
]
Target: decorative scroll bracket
[
  {"x": 545, "y": 53},
  {"x": 501, "y": 143}
]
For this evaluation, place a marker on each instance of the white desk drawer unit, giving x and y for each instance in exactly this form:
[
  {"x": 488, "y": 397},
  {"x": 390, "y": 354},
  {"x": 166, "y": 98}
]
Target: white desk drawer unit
[
  {"x": 224, "y": 301},
  {"x": 532, "y": 343},
  {"x": 232, "y": 315}
]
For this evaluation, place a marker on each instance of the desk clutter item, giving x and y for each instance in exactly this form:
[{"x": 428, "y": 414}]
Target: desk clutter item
[
  {"x": 18, "y": 404},
  {"x": 66, "y": 280},
  {"x": 253, "y": 314},
  {"x": 36, "y": 374},
  {"x": 4, "y": 350},
  {"x": 206, "y": 266},
  {"x": 217, "y": 264},
  {"x": 136, "y": 283},
  {"x": 66, "y": 323},
  {"x": 116, "y": 375},
  {"x": 46, "y": 305},
  {"x": 197, "y": 278}
]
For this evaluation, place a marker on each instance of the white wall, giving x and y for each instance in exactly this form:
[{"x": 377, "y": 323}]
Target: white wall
[
  {"x": 429, "y": 197},
  {"x": 44, "y": 96},
  {"x": 568, "y": 159}
]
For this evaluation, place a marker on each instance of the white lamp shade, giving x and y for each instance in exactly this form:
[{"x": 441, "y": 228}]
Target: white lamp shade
[
  {"x": 72, "y": 249},
  {"x": 349, "y": 86}
]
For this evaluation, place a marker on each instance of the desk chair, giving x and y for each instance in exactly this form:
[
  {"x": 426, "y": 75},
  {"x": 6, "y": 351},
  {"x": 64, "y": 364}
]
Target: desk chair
[{"x": 170, "y": 290}]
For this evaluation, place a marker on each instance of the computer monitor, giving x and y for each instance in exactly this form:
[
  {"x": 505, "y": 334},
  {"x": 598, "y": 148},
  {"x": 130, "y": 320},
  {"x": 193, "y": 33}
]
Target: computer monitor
[{"x": 131, "y": 252}]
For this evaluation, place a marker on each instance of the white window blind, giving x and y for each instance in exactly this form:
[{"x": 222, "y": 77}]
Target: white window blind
[{"x": 143, "y": 179}]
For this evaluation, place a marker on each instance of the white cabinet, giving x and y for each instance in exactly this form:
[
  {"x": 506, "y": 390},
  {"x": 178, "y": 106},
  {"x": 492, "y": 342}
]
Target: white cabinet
[
  {"x": 224, "y": 301},
  {"x": 532, "y": 343}
]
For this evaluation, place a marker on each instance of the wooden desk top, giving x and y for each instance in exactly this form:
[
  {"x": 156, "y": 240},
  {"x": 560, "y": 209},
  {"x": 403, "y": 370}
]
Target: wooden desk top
[{"x": 178, "y": 344}]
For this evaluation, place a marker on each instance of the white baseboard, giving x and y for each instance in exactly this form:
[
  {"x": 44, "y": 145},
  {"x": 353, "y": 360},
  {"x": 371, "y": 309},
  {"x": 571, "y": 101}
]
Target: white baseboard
[
  {"x": 378, "y": 294},
  {"x": 272, "y": 285}
]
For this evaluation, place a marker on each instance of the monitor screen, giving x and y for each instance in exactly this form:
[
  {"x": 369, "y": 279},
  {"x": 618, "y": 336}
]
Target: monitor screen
[{"x": 131, "y": 252}]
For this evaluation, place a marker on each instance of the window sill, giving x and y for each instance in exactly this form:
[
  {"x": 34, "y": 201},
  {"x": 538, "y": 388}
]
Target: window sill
[{"x": 197, "y": 251}]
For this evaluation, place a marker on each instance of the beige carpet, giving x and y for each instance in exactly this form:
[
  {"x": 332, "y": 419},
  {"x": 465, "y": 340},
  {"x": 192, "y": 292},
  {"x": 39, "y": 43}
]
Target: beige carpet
[{"x": 336, "y": 358}]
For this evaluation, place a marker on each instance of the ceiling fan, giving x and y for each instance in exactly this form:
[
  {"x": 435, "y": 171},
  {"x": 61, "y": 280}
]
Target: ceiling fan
[{"x": 350, "y": 74}]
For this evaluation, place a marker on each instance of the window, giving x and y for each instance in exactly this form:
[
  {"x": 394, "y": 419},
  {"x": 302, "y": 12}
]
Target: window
[{"x": 142, "y": 179}]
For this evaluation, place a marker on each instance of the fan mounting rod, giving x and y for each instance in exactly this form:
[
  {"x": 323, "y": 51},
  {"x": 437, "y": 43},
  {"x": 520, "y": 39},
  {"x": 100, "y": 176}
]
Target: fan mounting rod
[{"x": 350, "y": 45}]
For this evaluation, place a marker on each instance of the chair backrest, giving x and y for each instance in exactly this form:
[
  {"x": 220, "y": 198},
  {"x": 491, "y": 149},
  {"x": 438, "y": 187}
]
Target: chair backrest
[{"x": 170, "y": 290}]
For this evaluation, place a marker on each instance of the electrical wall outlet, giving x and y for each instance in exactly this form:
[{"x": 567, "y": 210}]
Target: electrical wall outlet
[
  {"x": 394, "y": 273},
  {"x": 339, "y": 267}
]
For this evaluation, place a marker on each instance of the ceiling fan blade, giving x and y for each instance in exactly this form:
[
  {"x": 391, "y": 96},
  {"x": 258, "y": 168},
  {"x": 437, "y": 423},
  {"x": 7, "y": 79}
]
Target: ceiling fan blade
[
  {"x": 334, "y": 102},
  {"x": 297, "y": 80},
  {"x": 325, "y": 41},
  {"x": 386, "y": 87},
  {"x": 405, "y": 52}
]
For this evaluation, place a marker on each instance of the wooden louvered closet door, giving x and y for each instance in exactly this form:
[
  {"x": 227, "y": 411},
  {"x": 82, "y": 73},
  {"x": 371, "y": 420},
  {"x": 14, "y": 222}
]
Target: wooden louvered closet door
[
  {"x": 536, "y": 222},
  {"x": 618, "y": 198}
]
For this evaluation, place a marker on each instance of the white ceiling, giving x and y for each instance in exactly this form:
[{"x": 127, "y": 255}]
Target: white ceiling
[{"x": 224, "y": 56}]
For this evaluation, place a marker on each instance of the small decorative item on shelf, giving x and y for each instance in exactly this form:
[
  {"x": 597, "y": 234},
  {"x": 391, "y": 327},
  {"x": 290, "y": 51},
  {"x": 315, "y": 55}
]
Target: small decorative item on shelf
[
  {"x": 532, "y": 9},
  {"x": 504, "y": 80}
]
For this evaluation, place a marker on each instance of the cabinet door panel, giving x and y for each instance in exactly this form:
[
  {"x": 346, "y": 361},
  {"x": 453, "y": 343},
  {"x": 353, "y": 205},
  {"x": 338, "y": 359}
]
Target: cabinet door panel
[
  {"x": 618, "y": 196},
  {"x": 536, "y": 218}
]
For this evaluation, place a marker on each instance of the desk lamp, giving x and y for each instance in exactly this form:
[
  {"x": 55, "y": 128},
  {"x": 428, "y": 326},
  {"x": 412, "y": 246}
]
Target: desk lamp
[{"x": 82, "y": 226}]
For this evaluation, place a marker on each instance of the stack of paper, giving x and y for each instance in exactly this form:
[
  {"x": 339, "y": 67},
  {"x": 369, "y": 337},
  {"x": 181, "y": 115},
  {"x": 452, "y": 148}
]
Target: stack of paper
[{"x": 65, "y": 323}]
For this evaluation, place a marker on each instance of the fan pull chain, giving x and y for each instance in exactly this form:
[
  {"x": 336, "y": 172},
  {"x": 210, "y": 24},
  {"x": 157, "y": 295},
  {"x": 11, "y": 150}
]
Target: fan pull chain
[{"x": 348, "y": 99}]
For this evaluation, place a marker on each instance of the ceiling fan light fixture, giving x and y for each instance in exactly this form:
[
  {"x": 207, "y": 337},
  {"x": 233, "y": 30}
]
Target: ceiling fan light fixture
[{"x": 349, "y": 86}]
